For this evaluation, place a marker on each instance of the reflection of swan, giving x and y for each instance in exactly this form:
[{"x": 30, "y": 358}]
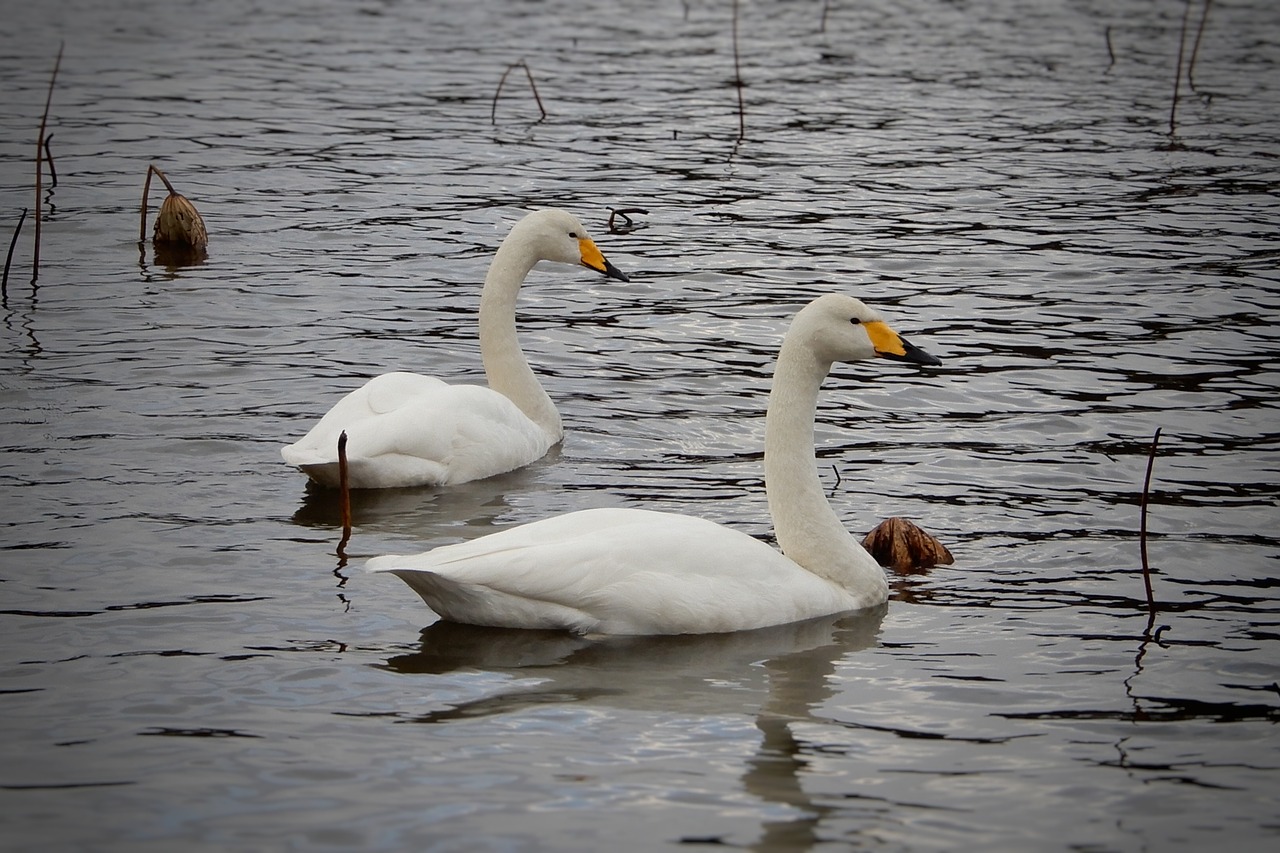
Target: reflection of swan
[
  {"x": 632, "y": 571},
  {"x": 700, "y": 674},
  {"x": 404, "y": 429}
]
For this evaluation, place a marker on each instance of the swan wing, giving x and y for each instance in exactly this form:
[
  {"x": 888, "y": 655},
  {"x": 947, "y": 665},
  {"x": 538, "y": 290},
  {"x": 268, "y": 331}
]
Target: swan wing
[
  {"x": 404, "y": 429},
  {"x": 618, "y": 571}
]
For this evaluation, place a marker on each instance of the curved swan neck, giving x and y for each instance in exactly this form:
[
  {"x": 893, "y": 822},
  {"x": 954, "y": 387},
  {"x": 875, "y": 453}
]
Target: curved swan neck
[
  {"x": 807, "y": 528},
  {"x": 505, "y": 365}
]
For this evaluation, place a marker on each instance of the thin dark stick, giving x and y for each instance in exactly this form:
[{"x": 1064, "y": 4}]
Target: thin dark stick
[
  {"x": 1111, "y": 54},
  {"x": 838, "y": 478},
  {"x": 493, "y": 110},
  {"x": 1177, "y": 77},
  {"x": 1142, "y": 526},
  {"x": 44, "y": 121},
  {"x": 737, "y": 76},
  {"x": 1195, "y": 47},
  {"x": 8, "y": 259},
  {"x": 822, "y": 25},
  {"x": 344, "y": 494},
  {"x": 48, "y": 158}
]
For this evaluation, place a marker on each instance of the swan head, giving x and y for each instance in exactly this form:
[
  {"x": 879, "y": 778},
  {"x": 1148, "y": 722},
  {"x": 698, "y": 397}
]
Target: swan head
[
  {"x": 557, "y": 235},
  {"x": 836, "y": 327}
]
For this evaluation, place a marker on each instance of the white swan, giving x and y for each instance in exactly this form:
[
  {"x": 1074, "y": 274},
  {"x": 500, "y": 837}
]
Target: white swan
[
  {"x": 634, "y": 571},
  {"x": 404, "y": 429}
]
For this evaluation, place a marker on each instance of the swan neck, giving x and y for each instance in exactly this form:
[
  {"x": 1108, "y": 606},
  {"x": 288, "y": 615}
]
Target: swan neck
[
  {"x": 808, "y": 530},
  {"x": 505, "y": 366}
]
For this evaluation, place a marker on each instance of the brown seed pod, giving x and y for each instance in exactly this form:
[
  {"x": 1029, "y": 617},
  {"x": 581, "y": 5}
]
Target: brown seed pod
[
  {"x": 179, "y": 222},
  {"x": 904, "y": 547}
]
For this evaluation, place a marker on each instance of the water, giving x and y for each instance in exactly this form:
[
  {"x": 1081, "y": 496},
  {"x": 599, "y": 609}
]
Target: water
[{"x": 186, "y": 662}]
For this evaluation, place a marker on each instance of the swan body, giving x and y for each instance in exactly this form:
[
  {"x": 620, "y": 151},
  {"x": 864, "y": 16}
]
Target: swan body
[
  {"x": 404, "y": 429},
  {"x": 635, "y": 571}
]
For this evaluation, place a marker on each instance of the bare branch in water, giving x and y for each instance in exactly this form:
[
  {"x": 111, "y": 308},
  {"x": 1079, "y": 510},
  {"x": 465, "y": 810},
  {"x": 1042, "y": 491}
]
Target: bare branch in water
[{"x": 493, "y": 111}]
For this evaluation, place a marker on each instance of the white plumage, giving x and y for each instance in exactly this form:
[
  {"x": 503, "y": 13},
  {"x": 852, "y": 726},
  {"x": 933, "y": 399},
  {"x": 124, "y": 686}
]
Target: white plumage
[
  {"x": 404, "y": 429},
  {"x": 634, "y": 571}
]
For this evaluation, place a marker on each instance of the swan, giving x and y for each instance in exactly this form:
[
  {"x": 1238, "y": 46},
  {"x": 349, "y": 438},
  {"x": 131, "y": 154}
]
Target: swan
[
  {"x": 405, "y": 429},
  {"x": 641, "y": 572}
]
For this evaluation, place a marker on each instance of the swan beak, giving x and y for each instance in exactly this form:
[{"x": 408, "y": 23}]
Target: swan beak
[
  {"x": 592, "y": 258},
  {"x": 889, "y": 344}
]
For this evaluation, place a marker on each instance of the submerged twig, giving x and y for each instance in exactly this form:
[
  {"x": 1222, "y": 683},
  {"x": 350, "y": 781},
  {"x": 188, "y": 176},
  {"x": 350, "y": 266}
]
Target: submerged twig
[
  {"x": 1111, "y": 53},
  {"x": 822, "y": 24},
  {"x": 493, "y": 110},
  {"x": 8, "y": 259},
  {"x": 1142, "y": 528},
  {"x": 737, "y": 77},
  {"x": 40, "y": 149},
  {"x": 344, "y": 494}
]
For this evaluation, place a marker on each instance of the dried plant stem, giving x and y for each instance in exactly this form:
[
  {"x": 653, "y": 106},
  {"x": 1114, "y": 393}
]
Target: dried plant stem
[
  {"x": 40, "y": 150},
  {"x": 1177, "y": 75},
  {"x": 822, "y": 24},
  {"x": 737, "y": 77},
  {"x": 493, "y": 110},
  {"x": 623, "y": 212},
  {"x": 146, "y": 191},
  {"x": 8, "y": 259},
  {"x": 344, "y": 494},
  {"x": 1142, "y": 525},
  {"x": 1195, "y": 47},
  {"x": 48, "y": 158},
  {"x": 1111, "y": 53}
]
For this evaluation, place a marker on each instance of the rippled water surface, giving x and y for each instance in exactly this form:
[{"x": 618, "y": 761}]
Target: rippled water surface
[{"x": 187, "y": 664}]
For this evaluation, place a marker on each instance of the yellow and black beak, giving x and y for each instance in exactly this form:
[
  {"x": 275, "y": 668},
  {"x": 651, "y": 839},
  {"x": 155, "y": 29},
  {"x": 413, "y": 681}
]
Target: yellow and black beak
[
  {"x": 889, "y": 344},
  {"x": 593, "y": 259}
]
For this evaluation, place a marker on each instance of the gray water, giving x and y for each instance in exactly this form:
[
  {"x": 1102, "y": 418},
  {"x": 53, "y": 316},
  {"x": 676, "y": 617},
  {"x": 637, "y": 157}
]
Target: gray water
[{"x": 187, "y": 664}]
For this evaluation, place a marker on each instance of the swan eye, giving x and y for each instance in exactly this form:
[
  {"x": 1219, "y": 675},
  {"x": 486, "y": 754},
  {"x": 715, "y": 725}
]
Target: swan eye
[{"x": 573, "y": 234}]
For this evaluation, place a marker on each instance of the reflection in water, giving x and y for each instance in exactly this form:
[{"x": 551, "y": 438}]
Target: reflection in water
[{"x": 789, "y": 671}]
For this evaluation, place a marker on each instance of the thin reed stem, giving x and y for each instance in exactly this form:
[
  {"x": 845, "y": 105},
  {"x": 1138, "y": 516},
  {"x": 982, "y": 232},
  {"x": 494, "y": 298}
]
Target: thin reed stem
[
  {"x": 1142, "y": 526},
  {"x": 344, "y": 494},
  {"x": 8, "y": 259},
  {"x": 1177, "y": 76},
  {"x": 737, "y": 77},
  {"x": 40, "y": 150},
  {"x": 1195, "y": 47}
]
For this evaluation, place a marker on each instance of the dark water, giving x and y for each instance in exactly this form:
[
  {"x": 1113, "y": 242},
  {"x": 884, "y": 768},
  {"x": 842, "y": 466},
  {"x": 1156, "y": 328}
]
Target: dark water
[{"x": 187, "y": 664}]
